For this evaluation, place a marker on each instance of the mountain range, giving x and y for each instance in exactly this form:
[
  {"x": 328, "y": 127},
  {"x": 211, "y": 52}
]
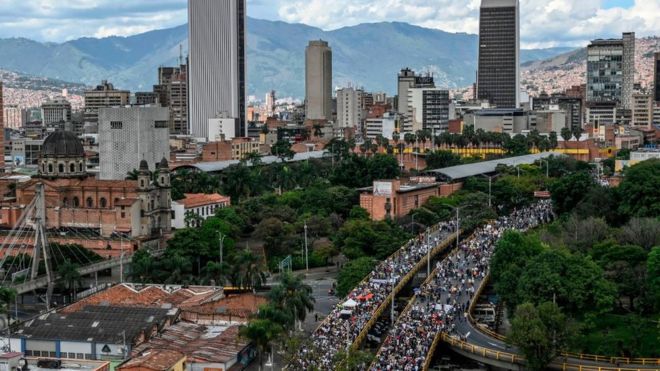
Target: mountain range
[{"x": 275, "y": 56}]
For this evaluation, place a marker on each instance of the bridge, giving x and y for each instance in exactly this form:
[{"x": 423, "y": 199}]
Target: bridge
[
  {"x": 421, "y": 320},
  {"x": 334, "y": 334}
]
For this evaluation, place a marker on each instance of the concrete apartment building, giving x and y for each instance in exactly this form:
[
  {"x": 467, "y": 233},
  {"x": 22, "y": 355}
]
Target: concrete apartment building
[
  {"x": 498, "y": 76},
  {"x": 611, "y": 70},
  {"x": 234, "y": 149},
  {"x": 2, "y": 131},
  {"x": 384, "y": 125},
  {"x": 104, "y": 95},
  {"x": 429, "y": 109},
  {"x": 642, "y": 111},
  {"x": 407, "y": 80},
  {"x": 318, "y": 81},
  {"x": 128, "y": 135},
  {"x": 172, "y": 92},
  {"x": 217, "y": 66},
  {"x": 55, "y": 111},
  {"x": 350, "y": 108}
]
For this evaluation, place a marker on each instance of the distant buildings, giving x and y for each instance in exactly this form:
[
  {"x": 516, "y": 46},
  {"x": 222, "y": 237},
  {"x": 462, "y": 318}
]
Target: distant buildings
[
  {"x": 2, "y": 131},
  {"x": 572, "y": 106},
  {"x": 128, "y": 135},
  {"x": 55, "y": 111},
  {"x": 498, "y": 77},
  {"x": 270, "y": 103},
  {"x": 611, "y": 71},
  {"x": 349, "y": 107},
  {"x": 642, "y": 110},
  {"x": 384, "y": 125},
  {"x": 172, "y": 92},
  {"x": 408, "y": 80},
  {"x": 429, "y": 109},
  {"x": 217, "y": 63},
  {"x": 202, "y": 206},
  {"x": 104, "y": 95},
  {"x": 318, "y": 81}
]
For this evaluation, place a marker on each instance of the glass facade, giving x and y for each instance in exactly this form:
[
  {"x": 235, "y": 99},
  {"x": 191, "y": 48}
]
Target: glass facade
[{"x": 605, "y": 72}]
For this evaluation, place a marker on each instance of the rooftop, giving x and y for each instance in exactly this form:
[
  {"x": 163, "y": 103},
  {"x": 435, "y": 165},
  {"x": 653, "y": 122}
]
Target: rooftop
[
  {"x": 193, "y": 200},
  {"x": 161, "y": 360},
  {"x": 199, "y": 343},
  {"x": 216, "y": 166},
  {"x": 479, "y": 168},
  {"x": 106, "y": 324}
]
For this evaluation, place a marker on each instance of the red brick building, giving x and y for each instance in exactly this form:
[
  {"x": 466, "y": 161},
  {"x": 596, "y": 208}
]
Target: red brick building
[{"x": 396, "y": 199}]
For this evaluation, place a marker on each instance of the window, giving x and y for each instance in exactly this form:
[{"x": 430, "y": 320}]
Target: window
[
  {"x": 65, "y": 202},
  {"x": 160, "y": 124},
  {"x": 76, "y": 202},
  {"x": 116, "y": 124},
  {"x": 81, "y": 167},
  {"x": 50, "y": 168},
  {"x": 43, "y": 168},
  {"x": 123, "y": 215},
  {"x": 72, "y": 168},
  {"x": 104, "y": 203},
  {"x": 89, "y": 202},
  {"x": 61, "y": 168}
]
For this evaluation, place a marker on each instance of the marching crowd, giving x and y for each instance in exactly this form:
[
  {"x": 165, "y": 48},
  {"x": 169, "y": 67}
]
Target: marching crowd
[
  {"x": 344, "y": 324},
  {"x": 443, "y": 301}
]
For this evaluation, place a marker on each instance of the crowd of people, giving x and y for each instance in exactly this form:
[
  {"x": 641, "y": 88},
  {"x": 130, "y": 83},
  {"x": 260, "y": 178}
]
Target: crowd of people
[
  {"x": 343, "y": 325},
  {"x": 442, "y": 302}
]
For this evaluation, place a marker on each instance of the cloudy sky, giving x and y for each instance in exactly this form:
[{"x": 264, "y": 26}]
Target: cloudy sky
[{"x": 545, "y": 23}]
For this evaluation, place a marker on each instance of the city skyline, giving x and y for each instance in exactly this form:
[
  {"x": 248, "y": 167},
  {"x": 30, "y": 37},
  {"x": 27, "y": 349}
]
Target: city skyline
[{"x": 543, "y": 24}]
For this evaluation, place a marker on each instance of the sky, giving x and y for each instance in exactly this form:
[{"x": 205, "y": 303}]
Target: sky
[{"x": 544, "y": 23}]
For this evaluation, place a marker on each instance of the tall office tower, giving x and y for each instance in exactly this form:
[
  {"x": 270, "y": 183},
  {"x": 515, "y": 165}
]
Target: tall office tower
[
  {"x": 656, "y": 78},
  {"x": 429, "y": 109},
  {"x": 498, "y": 76},
  {"x": 349, "y": 108},
  {"x": 104, "y": 95},
  {"x": 55, "y": 111},
  {"x": 217, "y": 69},
  {"x": 628, "y": 69},
  {"x": 611, "y": 71},
  {"x": 172, "y": 92},
  {"x": 2, "y": 132},
  {"x": 270, "y": 103},
  {"x": 406, "y": 80},
  {"x": 642, "y": 110},
  {"x": 318, "y": 81},
  {"x": 128, "y": 135},
  {"x": 409, "y": 80}
]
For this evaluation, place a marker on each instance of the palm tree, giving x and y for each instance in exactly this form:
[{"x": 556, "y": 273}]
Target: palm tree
[
  {"x": 293, "y": 295},
  {"x": 261, "y": 332},
  {"x": 553, "y": 140},
  {"x": 216, "y": 272},
  {"x": 251, "y": 270},
  {"x": 70, "y": 276},
  {"x": 566, "y": 134}
]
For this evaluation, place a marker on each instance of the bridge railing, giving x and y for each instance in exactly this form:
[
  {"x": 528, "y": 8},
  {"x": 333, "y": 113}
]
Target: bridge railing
[
  {"x": 481, "y": 351},
  {"x": 402, "y": 283}
]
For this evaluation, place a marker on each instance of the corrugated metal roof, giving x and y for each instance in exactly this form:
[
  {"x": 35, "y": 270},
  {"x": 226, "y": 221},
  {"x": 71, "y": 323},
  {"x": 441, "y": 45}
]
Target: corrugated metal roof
[
  {"x": 466, "y": 171},
  {"x": 216, "y": 166}
]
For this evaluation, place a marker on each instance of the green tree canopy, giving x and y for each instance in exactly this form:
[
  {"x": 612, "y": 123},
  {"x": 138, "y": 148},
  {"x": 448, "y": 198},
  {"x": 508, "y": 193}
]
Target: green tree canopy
[
  {"x": 639, "y": 191},
  {"x": 353, "y": 273}
]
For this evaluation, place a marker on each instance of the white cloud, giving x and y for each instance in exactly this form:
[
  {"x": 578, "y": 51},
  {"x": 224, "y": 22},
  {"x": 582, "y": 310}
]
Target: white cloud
[{"x": 544, "y": 23}]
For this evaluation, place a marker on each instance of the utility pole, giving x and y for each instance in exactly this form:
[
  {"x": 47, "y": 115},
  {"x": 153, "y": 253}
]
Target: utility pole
[
  {"x": 306, "y": 250},
  {"x": 221, "y": 239},
  {"x": 490, "y": 186},
  {"x": 428, "y": 254},
  {"x": 121, "y": 260}
]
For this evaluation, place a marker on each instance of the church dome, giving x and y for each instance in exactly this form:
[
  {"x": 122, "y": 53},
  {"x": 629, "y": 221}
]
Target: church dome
[{"x": 62, "y": 144}]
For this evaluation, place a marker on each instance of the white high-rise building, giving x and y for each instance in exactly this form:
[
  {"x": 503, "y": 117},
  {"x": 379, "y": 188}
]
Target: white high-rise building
[
  {"x": 217, "y": 68},
  {"x": 349, "y": 108},
  {"x": 128, "y": 135}
]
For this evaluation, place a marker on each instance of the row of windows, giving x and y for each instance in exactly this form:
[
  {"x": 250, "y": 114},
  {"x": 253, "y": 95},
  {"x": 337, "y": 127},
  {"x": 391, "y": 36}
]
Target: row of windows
[
  {"x": 61, "y": 168},
  {"x": 89, "y": 202},
  {"x": 43, "y": 353}
]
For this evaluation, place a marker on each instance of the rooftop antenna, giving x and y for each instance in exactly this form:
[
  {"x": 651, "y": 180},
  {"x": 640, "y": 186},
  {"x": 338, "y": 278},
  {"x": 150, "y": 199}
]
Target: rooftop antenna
[{"x": 180, "y": 54}]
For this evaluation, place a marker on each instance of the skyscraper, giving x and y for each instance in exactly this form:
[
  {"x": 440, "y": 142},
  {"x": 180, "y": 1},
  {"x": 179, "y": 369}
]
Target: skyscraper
[
  {"x": 104, "y": 95},
  {"x": 498, "y": 77},
  {"x": 318, "y": 81},
  {"x": 349, "y": 108},
  {"x": 2, "y": 132},
  {"x": 217, "y": 70},
  {"x": 611, "y": 71},
  {"x": 656, "y": 78},
  {"x": 407, "y": 81}
]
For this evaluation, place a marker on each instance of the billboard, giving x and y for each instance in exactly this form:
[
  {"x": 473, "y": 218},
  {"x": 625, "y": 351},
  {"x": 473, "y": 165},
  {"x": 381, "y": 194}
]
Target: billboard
[{"x": 383, "y": 189}]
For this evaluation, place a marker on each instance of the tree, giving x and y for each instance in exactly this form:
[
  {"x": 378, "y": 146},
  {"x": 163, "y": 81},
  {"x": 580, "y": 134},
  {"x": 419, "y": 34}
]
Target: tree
[
  {"x": 639, "y": 191},
  {"x": 539, "y": 332},
  {"x": 353, "y": 360},
  {"x": 566, "y": 134},
  {"x": 7, "y": 295},
  {"x": 644, "y": 232},
  {"x": 653, "y": 276},
  {"x": 353, "y": 273},
  {"x": 216, "y": 273},
  {"x": 70, "y": 276},
  {"x": 568, "y": 191},
  {"x": 553, "y": 140},
  {"x": 251, "y": 270},
  {"x": 141, "y": 266},
  {"x": 282, "y": 149},
  {"x": 292, "y": 296},
  {"x": 442, "y": 159},
  {"x": 625, "y": 266},
  {"x": 261, "y": 332},
  {"x": 517, "y": 146}
]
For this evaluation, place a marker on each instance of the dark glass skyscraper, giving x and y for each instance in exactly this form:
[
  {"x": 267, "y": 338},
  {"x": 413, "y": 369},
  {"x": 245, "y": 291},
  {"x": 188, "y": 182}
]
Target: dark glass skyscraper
[{"x": 498, "y": 78}]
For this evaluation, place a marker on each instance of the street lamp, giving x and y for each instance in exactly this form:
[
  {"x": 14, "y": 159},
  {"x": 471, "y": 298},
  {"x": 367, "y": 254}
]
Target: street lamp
[
  {"x": 306, "y": 251},
  {"x": 458, "y": 223},
  {"x": 547, "y": 168},
  {"x": 428, "y": 253}
]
